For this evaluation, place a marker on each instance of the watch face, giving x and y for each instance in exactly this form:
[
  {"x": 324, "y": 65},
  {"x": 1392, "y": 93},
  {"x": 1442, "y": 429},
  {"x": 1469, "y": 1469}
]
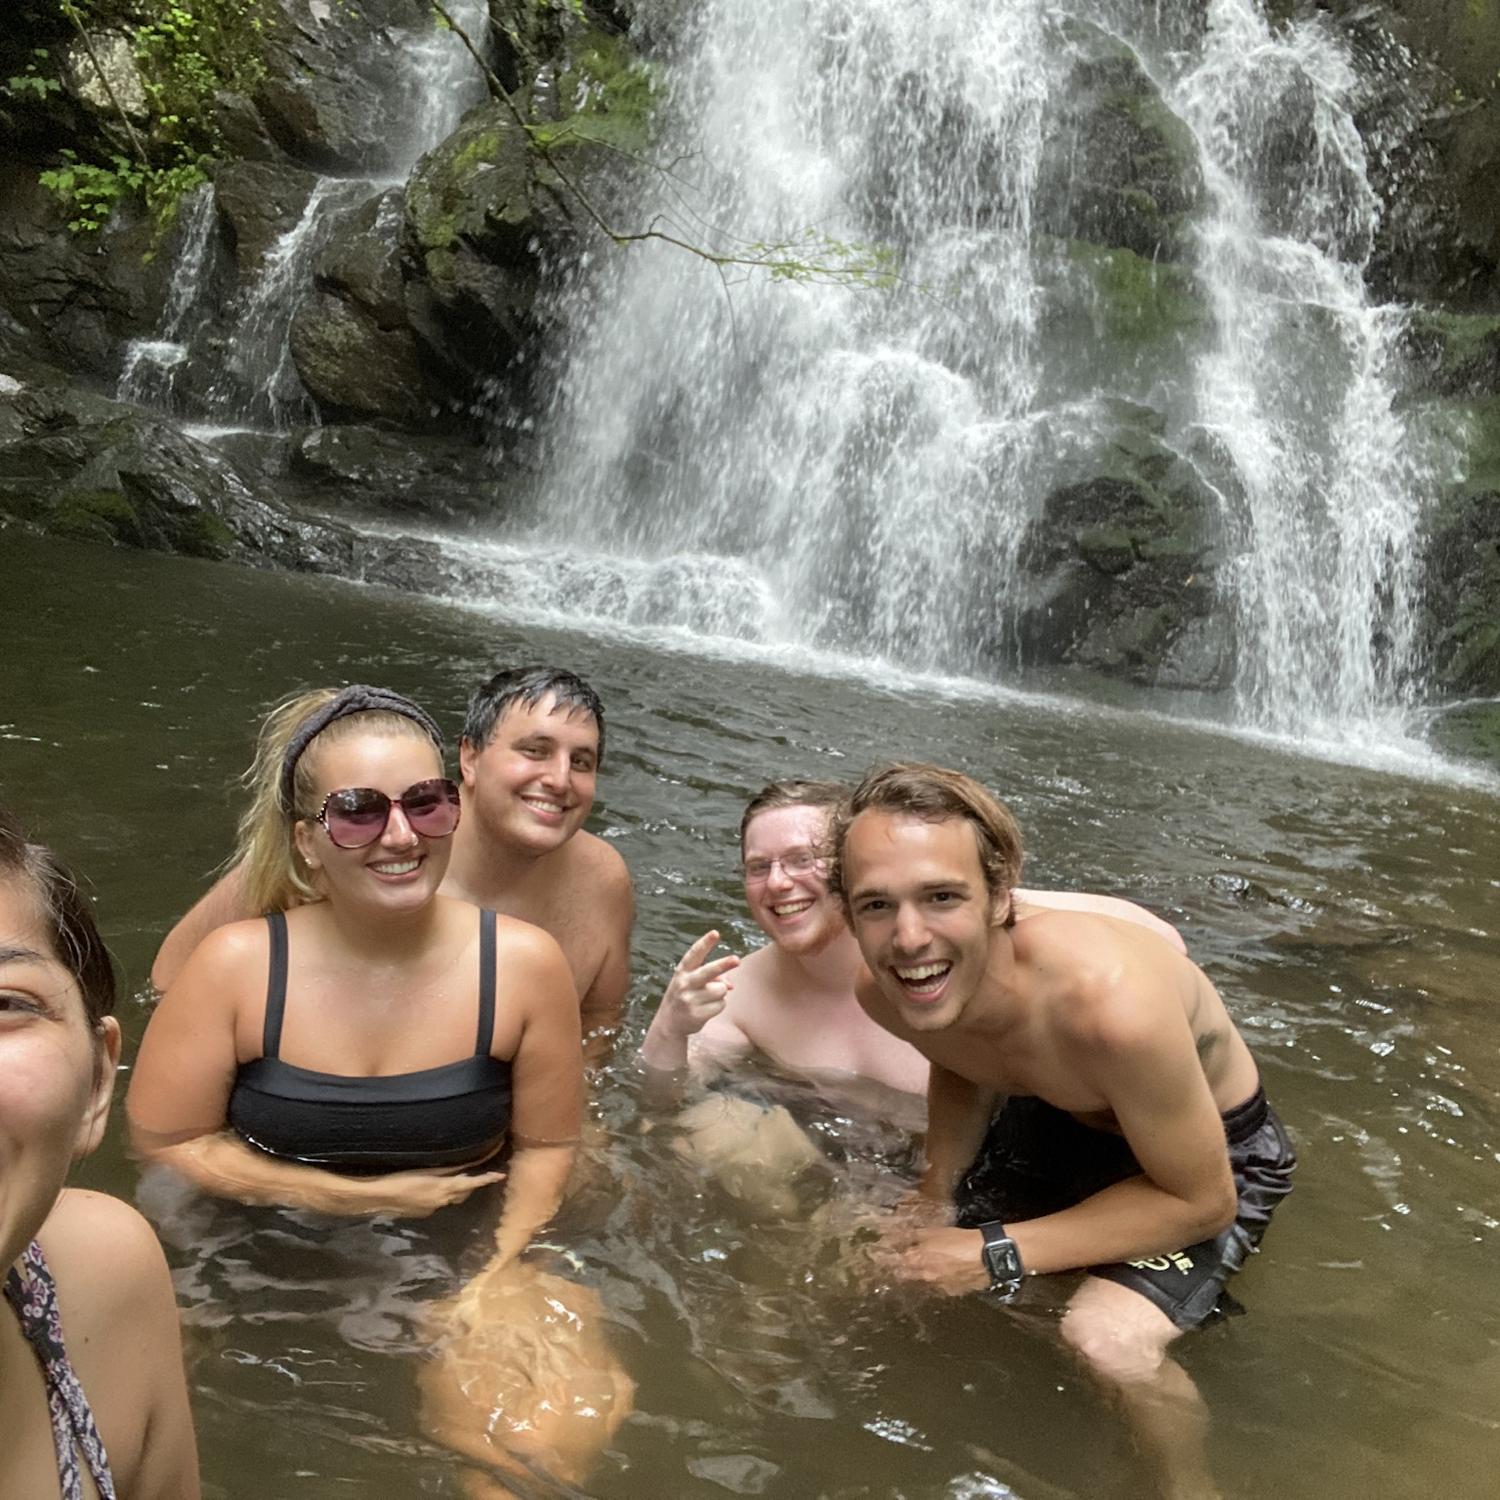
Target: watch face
[{"x": 1003, "y": 1261}]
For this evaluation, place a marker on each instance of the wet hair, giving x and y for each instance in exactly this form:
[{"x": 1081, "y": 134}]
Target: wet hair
[
  {"x": 936, "y": 795},
  {"x": 528, "y": 686},
  {"x": 274, "y": 874},
  {"x": 67, "y": 916},
  {"x": 791, "y": 793}
]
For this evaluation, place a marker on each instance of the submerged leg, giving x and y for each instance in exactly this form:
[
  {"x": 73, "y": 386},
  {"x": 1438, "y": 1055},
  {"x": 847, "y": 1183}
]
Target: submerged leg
[
  {"x": 523, "y": 1379},
  {"x": 1122, "y": 1340}
]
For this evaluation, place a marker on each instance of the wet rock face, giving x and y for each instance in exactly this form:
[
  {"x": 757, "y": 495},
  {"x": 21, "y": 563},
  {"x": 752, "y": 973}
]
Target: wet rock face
[
  {"x": 82, "y": 466},
  {"x": 394, "y": 474},
  {"x": 1121, "y": 169},
  {"x": 1119, "y": 572},
  {"x": 258, "y": 202},
  {"x": 479, "y": 218},
  {"x": 331, "y": 71},
  {"x": 79, "y": 296},
  {"x": 354, "y": 349}
]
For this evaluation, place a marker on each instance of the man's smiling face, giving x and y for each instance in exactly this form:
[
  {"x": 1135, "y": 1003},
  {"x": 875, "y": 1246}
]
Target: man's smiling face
[
  {"x": 921, "y": 912},
  {"x": 786, "y": 879},
  {"x": 531, "y": 786}
]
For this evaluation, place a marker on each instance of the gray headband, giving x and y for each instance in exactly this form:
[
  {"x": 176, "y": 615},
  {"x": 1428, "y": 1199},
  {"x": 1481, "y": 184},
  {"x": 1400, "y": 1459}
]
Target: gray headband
[{"x": 356, "y": 699}]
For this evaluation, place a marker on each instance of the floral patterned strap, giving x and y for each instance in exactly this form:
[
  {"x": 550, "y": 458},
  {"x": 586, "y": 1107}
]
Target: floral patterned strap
[{"x": 31, "y": 1291}]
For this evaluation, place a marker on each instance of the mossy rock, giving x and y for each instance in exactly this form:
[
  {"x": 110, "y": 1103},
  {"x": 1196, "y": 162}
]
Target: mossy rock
[
  {"x": 1453, "y": 354},
  {"x": 609, "y": 94},
  {"x": 1137, "y": 301},
  {"x": 1121, "y": 170}
]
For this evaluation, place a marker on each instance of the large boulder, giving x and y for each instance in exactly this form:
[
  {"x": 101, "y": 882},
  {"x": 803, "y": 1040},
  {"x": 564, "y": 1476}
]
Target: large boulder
[
  {"x": 331, "y": 70},
  {"x": 258, "y": 202},
  {"x": 483, "y": 214},
  {"x": 1121, "y": 169},
  {"x": 354, "y": 349},
  {"x": 80, "y": 296},
  {"x": 396, "y": 474},
  {"x": 1118, "y": 568}
]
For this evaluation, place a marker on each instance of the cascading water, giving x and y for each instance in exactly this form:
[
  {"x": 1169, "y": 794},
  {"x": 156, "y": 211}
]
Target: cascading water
[
  {"x": 853, "y": 469},
  {"x": 1301, "y": 386},
  {"x": 257, "y": 384},
  {"x": 149, "y": 375}
]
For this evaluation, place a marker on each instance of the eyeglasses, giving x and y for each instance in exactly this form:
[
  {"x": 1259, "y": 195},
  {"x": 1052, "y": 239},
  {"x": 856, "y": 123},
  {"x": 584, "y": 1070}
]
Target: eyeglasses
[
  {"x": 793, "y": 863},
  {"x": 355, "y": 816}
]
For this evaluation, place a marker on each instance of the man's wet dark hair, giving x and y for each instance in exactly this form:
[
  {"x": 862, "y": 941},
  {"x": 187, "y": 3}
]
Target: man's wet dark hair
[
  {"x": 492, "y": 700},
  {"x": 67, "y": 917},
  {"x": 791, "y": 793}
]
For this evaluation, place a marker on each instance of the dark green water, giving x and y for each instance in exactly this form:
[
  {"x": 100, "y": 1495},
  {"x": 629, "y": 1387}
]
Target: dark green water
[{"x": 1350, "y": 918}]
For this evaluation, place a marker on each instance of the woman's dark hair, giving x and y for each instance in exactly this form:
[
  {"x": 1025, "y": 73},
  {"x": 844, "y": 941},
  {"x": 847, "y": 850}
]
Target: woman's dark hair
[{"x": 66, "y": 915}]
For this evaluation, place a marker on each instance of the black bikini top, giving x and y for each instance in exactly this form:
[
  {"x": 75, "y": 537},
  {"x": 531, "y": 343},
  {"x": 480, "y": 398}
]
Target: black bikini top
[{"x": 454, "y": 1115}]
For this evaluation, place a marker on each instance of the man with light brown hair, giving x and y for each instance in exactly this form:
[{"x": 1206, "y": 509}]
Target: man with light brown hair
[
  {"x": 794, "y": 998},
  {"x": 1091, "y": 1106}
]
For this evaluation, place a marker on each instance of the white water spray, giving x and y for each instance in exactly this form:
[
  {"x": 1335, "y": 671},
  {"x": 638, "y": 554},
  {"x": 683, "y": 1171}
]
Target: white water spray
[
  {"x": 149, "y": 375},
  {"x": 867, "y": 462}
]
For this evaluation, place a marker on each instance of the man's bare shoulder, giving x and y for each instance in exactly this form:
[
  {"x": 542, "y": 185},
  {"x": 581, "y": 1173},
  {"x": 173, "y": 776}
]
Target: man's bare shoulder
[
  {"x": 1105, "y": 981},
  {"x": 597, "y": 867},
  {"x": 754, "y": 987}
]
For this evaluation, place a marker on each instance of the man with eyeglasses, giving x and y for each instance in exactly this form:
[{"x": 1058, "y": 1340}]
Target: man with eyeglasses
[
  {"x": 532, "y": 743},
  {"x": 794, "y": 999}
]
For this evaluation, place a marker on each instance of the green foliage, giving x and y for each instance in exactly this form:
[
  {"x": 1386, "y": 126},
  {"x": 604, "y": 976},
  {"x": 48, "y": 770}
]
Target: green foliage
[
  {"x": 90, "y": 191},
  {"x": 187, "y": 51},
  {"x": 37, "y": 82}
]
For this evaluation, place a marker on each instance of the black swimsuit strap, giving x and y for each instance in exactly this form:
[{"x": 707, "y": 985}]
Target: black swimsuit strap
[
  {"x": 270, "y": 1045},
  {"x": 486, "y": 1037}
]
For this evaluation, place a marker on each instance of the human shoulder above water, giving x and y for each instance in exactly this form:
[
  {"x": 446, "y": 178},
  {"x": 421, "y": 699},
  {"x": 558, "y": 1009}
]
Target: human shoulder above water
[
  {"x": 95, "y": 1335},
  {"x": 532, "y": 746}
]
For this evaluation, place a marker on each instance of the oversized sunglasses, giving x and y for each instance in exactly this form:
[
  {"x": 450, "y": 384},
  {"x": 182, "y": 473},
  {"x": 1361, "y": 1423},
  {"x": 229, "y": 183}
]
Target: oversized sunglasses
[{"x": 355, "y": 816}]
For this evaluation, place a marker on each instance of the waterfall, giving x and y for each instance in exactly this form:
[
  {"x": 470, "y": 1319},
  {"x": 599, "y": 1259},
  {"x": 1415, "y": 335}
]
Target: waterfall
[
  {"x": 1301, "y": 385},
  {"x": 443, "y": 80},
  {"x": 852, "y": 470},
  {"x": 255, "y": 383},
  {"x": 149, "y": 375},
  {"x": 258, "y": 383}
]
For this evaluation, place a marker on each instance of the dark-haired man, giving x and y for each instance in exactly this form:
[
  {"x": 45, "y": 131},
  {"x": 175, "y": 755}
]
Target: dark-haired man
[
  {"x": 1131, "y": 1140},
  {"x": 532, "y": 743}
]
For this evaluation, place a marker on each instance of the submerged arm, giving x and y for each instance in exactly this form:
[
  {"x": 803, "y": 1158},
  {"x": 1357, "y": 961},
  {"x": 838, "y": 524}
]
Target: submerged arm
[{"x": 603, "y": 1003}]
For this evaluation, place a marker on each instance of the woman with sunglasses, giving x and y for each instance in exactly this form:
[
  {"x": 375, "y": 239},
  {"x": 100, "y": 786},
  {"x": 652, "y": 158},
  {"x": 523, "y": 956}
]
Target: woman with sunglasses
[
  {"x": 91, "y": 1380},
  {"x": 368, "y": 1046}
]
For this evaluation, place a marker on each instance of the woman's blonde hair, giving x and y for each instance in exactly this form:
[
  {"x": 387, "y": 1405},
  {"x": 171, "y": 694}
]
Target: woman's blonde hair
[{"x": 275, "y": 876}]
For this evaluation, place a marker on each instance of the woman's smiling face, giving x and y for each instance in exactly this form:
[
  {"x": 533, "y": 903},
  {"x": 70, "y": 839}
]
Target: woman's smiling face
[
  {"x": 399, "y": 871},
  {"x": 56, "y": 1070}
]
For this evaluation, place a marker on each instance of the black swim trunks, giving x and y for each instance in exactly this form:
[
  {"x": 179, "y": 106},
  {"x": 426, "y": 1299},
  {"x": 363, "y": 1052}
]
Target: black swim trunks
[{"x": 1039, "y": 1160}]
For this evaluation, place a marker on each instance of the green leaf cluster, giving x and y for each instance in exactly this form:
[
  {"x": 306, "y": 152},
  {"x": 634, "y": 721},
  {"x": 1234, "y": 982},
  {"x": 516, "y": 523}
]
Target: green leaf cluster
[{"x": 187, "y": 51}]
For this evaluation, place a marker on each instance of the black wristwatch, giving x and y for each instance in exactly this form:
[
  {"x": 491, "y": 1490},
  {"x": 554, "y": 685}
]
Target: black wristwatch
[{"x": 1001, "y": 1259}]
